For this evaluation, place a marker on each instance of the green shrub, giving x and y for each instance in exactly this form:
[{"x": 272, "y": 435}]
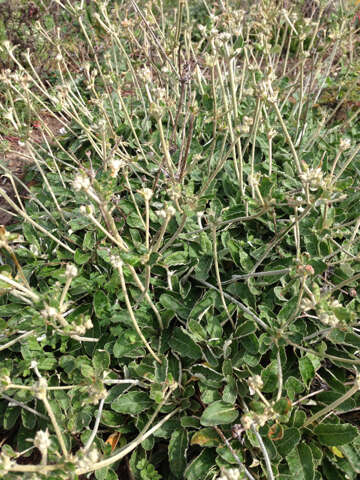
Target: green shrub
[{"x": 185, "y": 264}]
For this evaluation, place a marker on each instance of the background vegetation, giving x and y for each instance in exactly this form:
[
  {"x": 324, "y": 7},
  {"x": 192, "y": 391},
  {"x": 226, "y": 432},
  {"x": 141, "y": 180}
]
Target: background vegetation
[{"x": 179, "y": 282}]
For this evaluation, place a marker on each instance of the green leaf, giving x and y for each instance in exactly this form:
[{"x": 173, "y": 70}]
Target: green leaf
[
  {"x": 10, "y": 417},
  {"x": 178, "y": 446},
  {"x": 332, "y": 434},
  {"x": 81, "y": 258},
  {"x": 269, "y": 376},
  {"x": 250, "y": 343},
  {"x": 218, "y": 413},
  {"x": 29, "y": 419},
  {"x": 183, "y": 344},
  {"x": 172, "y": 303},
  {"x": 352, "y": 454},
  {"x": 111, "y": 419},
  {"x": 101, "y": 304},
  {"x": 200, "y": 467},
  {"x": 330, "y": 397},
  {"x": 101, "y": 360},
  {"x": 290, "y": 439},
  {"x": 175, "y": 258},
  {"x": 190, "y": 422},
  {"x": 226, "y": 454},
  {"x": 206, "y": 437},
  {"x": 293, "y": 386},
  {"x": 330, "y": 471},
  {"x": 245, "y": 329},
  {"x": 288, "y": 309},
  {"x": 132, "y": 403},
  {"x": 105, "y": 474},
  {"x": 207, "y": 375},
  {"x": 301, "y": 463},
  {"x": 307, "y": 370}
]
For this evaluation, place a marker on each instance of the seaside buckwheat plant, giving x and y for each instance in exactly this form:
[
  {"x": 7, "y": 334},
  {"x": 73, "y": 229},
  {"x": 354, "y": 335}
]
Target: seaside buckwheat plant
[{"x": 178, "y": 282}]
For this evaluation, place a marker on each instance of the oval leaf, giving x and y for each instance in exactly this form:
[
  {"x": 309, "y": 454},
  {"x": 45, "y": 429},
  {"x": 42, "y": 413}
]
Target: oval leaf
[
  {"x": 132, "y": 403},
  {"x": 201, "y": 466},
  {"x": 206, "y": 437},
  {"x": 183, "y": 344},
  {"x": 332, "y": 434},
  {"x": 218, "y": 413},
  {"x": 290, "y": 439},
  {"x": 178, "y": 446},
  {"x": 301, "y": 463}
]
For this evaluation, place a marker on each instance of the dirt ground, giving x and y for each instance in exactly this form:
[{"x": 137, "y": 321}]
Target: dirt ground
[{"x": 16, "y": 160}]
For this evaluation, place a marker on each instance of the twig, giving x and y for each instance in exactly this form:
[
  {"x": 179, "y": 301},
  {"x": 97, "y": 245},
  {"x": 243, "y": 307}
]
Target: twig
[
  {"x": 239, "y": 304},
  {"x": 96, "y": 426},
  {"x": 236, "y": 457},
  {"x": 22, "y": 405},
  {"x": 265, "y": 453}
]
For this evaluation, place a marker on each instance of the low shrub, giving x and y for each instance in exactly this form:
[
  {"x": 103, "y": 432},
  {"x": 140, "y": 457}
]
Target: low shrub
[{"x": 179, "y": 293}]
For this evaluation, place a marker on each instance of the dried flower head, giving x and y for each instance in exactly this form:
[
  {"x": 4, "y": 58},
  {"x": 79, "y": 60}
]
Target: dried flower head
[
  {"x": 314, "y": 177},
  {"x": 255, "y": 383},
  {"x": 42, "y": 440},
  {"x": 81, "y": 182},
  {"x": 71, "y": 270}
]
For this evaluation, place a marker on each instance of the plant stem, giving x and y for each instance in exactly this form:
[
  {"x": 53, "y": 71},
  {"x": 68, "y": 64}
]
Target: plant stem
[
  {"x": 217, "y": 273},
  {"x": 239, "y": 304},
  {"x": 264, "y": 452},
  {"x": 132, "y": 316},
  {"x": 334, "y": 404},
  {"x": 236, "y": 457},
  {"x": 96, "y": 426}
]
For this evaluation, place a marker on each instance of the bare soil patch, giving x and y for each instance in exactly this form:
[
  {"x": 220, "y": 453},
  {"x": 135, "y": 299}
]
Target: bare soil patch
[{"x": 16, "y": 160}]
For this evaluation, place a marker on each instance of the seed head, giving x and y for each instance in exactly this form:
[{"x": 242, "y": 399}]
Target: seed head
[
  {"x": 42, "y": 440},
  {"x": 71, "y": 270}
]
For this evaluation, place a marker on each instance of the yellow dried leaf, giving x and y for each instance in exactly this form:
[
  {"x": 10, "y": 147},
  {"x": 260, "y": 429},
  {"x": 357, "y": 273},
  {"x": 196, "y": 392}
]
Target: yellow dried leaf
[{"x": 113, "y": 440}]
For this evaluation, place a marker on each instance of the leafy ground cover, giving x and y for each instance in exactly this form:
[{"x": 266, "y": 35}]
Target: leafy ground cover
[{"x": 179, "y": 289}]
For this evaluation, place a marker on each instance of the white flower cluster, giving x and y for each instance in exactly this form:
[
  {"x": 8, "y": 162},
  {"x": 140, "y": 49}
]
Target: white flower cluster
[
  {"x": 271, "y": 133},
  {"x": 39, "y": 388},
  {"x": 246, "y": 124},
  {"x": 167, "y": 212},
  {"x": 85, "y": 325},
  {"x": 231, "y": 474},
  {"x": 116, "y": 261},
  {"x": 255, "y": 383},
  {"x": 71, "y": 271},
  {"x": 254, "y": 180},
  {"x": 313, "y": 177},
  {"x": 87, "y": 209},
  {"x": 147, "y": 193},
  {"x": 49, "y": 312},
  {"x": 251, "y": 419},
  {"x": 81, "y": 182},
  {"x": 5, "y": 381},
  {"x": 115, "y": 165},
  {"x": 306, "y": 305},
  {"x": 345, "y": 144},
  {"x": 329, "y": 319},
  {"x": 42, "y": 440},
  {"x": 156, "y": 111},
  {"x": 266, "y": 91},
  {"x": 96, "y": 393},
  {"x": 86, "y": 459}
]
